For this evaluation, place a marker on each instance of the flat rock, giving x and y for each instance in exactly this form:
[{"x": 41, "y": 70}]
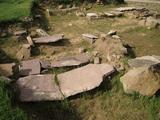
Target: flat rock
[
  {"x": 107, "y": 14},
  {"x": 123, "y": 9},
  {"x": 70, "y": 61},
  {"x": 7, "y": 70},
  {"x": 29, "y": 67},
  {"x": 92, "y": 15},
  {"x": 49, "y": 39},
  {"x": 45, "y": 64},
  {"x": 84, "y": 78},
  {"x": 30, "y": 42},
  {"x": 143, "y": 80},
  {"x": 20, "y": 32},
  {"x": 38, "y": 88},
  {"x": 144, "y": 61},
  {"x": 89, "y": 37}
]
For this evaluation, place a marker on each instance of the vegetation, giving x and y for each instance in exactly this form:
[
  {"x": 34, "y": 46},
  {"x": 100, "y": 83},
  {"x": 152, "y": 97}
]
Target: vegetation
[
  {"x": 14, "y": 10},
  {"x": 7, "y": 111}
]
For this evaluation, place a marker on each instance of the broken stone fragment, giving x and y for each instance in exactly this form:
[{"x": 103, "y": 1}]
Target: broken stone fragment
[
  {"x": 49, "y": 39},
  {"x": 143, "y": 80},
  {"x": 39, "y": 88},
  {"x": 89, "y": 37},
  {"x": 80, "y": 14},
  {"x": 30, "y": 42},
  {"x": 29, "y": 67},
  {"x": 24, "y": 52},
  {"x": 71, "y": 61},
  {"x": 115, "y": 37},
  {"x": 81, "y": 50},
  {"x": 8, "y": 69},
  {"x": 45, "y": 64},
  {"x": 42, "y": 32},
  {"x": 92, "y": 16},
  {"x": 84, "y": 78},
  {"x": 112, "y": 32},
  {"x": 109, "y": 14},
  {"x": 97, "y": 60},
  {"x": 20, "y": 32}
]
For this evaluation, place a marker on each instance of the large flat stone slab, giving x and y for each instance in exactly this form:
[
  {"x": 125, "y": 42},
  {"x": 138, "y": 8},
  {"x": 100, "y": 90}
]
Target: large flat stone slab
[
  {"x": 83, "y": 79},
  {"x": 49, "y": 39},
  {"x": 71, "y": 61},
  {"x": 30, "y": 67},
  {"x": 144, "y": 61},
  {"x": 38, "y": 88}
]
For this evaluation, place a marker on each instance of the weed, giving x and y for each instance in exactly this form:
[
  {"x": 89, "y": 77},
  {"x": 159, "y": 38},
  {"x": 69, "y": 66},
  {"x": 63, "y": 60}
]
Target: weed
[{"x": 7, "y": 112}]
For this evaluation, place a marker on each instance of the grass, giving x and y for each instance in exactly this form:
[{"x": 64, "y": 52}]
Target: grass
[
  {"x": 7, "y": 111},
  {"x": 142, "y": 38},
  {"x": 114, "y": 104},
  {"x": 14, "y": 10}
]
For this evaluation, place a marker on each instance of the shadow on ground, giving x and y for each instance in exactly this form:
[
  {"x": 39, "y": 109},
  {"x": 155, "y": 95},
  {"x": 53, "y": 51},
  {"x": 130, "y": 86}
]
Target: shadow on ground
[{"x": 61, "y": 110}]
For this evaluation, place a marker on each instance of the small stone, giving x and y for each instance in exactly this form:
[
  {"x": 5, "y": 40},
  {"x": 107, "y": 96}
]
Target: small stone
[
  {"x": 61, "y": 7},
  {"x": 112, "y": 32},
  {"x": 38, "y": 16},
  {"x": 115, "y": 37},
  {"x": 70, "y": 24},
  {"x": 95, "y": 53},
  {"x": 89, "y": 37},
  {"x": 80, "y": 14},
  {"x": 42, "y": 33},
  {"x": 109, "y": 14},
  {"x": 92, "y": 16},
  {"x": 45, "y": 64},
  {"x": 96, "y": 60},
  {"x": 81, "y": 50},
  {"x": 29, "y": 39}
]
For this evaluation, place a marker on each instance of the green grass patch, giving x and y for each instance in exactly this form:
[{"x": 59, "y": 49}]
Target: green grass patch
[
  {"x": 7, "y": 111},
  {"x": 14, "y": 10}
]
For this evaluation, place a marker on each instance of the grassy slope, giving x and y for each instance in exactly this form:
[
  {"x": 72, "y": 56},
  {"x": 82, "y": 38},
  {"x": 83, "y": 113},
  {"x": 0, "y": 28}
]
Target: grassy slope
[{"x": 14, "y": 9}]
